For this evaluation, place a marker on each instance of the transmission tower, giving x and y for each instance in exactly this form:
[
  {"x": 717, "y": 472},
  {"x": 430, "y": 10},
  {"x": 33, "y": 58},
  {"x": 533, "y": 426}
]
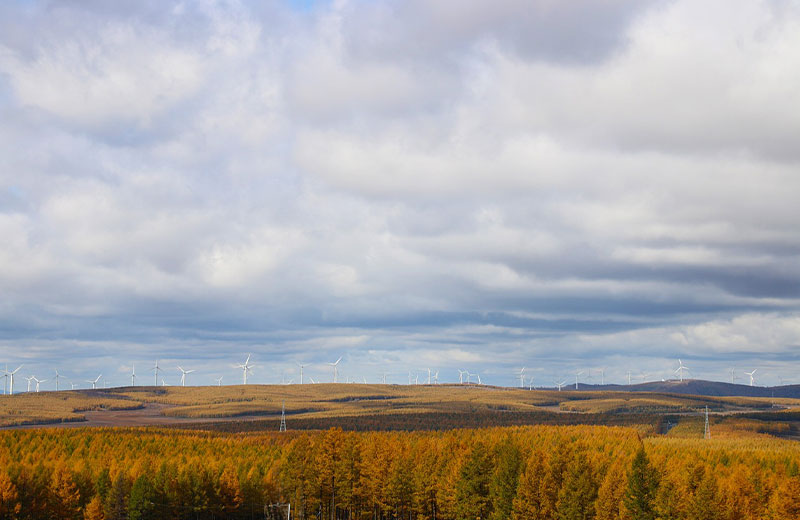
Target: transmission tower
[
  {"x": 283, "y": 417},
  {"x": 707, "y": 432}
]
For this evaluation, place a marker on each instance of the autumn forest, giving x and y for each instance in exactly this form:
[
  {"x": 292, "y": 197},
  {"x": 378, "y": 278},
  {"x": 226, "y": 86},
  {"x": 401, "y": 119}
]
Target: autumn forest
[{"x": 520, "y": 473}]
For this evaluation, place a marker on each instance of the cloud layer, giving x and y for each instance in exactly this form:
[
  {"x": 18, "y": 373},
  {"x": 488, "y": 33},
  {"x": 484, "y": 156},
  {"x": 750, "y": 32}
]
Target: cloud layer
[{"x": 408, "y": 184}]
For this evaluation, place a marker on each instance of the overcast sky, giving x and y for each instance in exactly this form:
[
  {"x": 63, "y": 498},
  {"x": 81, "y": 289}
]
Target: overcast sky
[{"x": 408, "y": 184}]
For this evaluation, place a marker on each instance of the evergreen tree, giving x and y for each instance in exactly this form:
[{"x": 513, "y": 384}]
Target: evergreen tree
[
  {"x": 642, "y": 487},
  {"x": 472, "y": 488},
  {"x": 704, "y": 505},
  {"x": 116, "y": 503},
  {"x": 141, "y": 502},
  {"x": 578, "y": 491},
  {"x": 503, "y": 487}
]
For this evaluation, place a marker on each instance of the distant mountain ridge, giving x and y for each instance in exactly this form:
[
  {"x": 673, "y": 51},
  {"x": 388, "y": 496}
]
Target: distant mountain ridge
[{"x": 699, "y": 387}]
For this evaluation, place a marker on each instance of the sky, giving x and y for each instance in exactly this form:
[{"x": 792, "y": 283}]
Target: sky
[{"x": 488, "y": 185}]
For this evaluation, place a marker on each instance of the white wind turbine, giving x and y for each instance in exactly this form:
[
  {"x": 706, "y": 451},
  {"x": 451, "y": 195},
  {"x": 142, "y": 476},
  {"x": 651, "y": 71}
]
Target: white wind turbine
[
  {"x": 57, "y": 378},
  {"x": 429, "y": 376},
  {"x": 94, "y": 383},
  {"x": 602, "y": 376},
  {"x": 461, "y": 376},
  {"x": 522, "y": 378},
  {"x": 11, "y": 379},
  {"x": 29, "y": 379},
  {"x": 219, "y": 381},
  {"x": 72, "y": 386},
  {"x": 133, "y": 374},
  {"x": 577, "y": 373},
  {"x": 245, "y": 367},
  {"x": 752, "y": 379},
  {"x": 301, "y": 372},
  {"x": 561, "y": 384},
  {"x": 629, "y": 378},
  {"x": 156, "y": 370},
  {"x": 530, "y": 384},
  {"x": 680, "y": 369},
  {"x": 336, "y": 370},
  {"x": 733, "y": 375},
  {"x": 38, "y": 382},
  {"x": 183, "y": 375},
  {"x": 436, "y": 378}
]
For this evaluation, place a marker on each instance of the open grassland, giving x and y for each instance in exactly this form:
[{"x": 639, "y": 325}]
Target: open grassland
[
  {"x": 54, "y": 407},
  {"x": 375, "y": 407}
]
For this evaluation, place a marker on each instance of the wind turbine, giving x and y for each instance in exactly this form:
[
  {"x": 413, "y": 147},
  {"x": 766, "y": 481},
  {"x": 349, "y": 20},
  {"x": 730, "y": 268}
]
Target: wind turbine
[
  {"x": 436, "y": 378},
  {"x": 133, "y": 375},
  {"x": 602, "y": 376},
  {"x": 164, "y": 383},
  {"x": 11, "y": 379},
  {"x": 461, "y": 376},
  {"x": 219, "y": 381},
  {"x": 681, "y": 368},
  {"x": 733, "y": 375},
  {"x": 156, "y": 370},
  {"x": 245, "y": 367},
  {"x": 301, "y": 372},
  {"x": 522, "y": 378},
  {"x": 629, "y": 378},
  {"x": 752, "y": 379},
  {"x": 429, "y": 376},
  {"x": 384, "y": 378},
  {"x": 183, "y": 375},
  {"x": 530, "y": 384},
  {"x": 39, "y": 382},
  {"x": 336, "y": 370},
  {"x": 561, "y": 384},
  {"x": 577, "y": 373},
  {"x": 56, "y": 378},
  {"x": 94, "y": 383},
  {"x": 72, "y": 386},
  {"x": 29, "y": 379}
]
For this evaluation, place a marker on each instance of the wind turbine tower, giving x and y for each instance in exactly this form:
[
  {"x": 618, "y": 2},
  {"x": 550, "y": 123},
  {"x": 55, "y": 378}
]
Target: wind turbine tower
[
  {"x": 183, "y": 375},
  {"x": 56, "y": 378},
  {"x": 522, "y": 378},
  {"x": 11, "y": 379},
  {"x": 245, "y": 367},
  {"x": 133, "y": 375},
  {"x": 29, "y": 379},
  {"x": 336, "y": 370},
  {"x": 577, "y": 373},
  {"x": 680, "y": 369},
  {"x": 156, "y": 370},
  {"x": 94, "y": 383},
  {"x": 301, "y": 372}
]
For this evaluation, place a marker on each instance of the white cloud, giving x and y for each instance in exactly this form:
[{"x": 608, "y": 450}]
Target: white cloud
[{"x": 443, "y": 183}]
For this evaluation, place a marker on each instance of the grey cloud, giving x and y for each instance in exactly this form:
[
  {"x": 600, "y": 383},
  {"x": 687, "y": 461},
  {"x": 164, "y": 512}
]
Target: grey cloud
[
  {"x": 560, "y": 32},
  {"x": 402, "y": 183}
]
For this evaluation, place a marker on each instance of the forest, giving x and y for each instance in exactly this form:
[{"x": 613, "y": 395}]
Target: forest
[{"x": 519, "y": 473}]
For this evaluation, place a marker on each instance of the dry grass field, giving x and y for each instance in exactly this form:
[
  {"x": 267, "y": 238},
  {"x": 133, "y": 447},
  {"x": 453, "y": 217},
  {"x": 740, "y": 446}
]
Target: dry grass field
[{"x": 323, "y": 402}]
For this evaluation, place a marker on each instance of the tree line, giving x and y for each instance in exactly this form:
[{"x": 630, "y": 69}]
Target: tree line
[{"x": 516, "y": 473}]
